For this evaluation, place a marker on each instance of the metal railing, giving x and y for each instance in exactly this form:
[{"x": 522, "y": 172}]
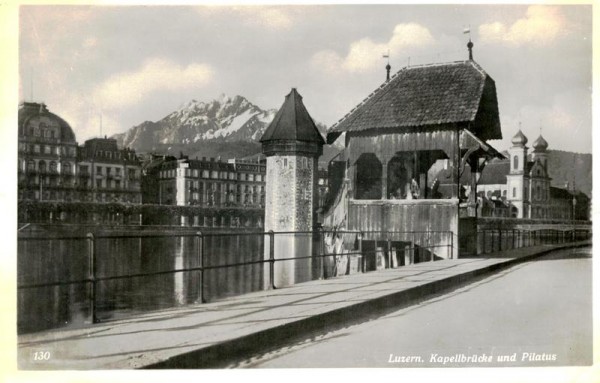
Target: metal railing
[
  {"x": 493, "y": 240},
  {"x": 328, "y": 254}
]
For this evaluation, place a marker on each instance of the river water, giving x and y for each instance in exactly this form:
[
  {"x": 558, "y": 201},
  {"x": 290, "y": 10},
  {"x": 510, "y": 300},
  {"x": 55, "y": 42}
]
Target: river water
[{"x": 48, "y": 261}]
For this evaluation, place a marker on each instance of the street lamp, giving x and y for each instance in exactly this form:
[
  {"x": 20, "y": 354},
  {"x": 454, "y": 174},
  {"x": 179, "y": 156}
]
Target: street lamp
[{"x": 573, "y": 215}]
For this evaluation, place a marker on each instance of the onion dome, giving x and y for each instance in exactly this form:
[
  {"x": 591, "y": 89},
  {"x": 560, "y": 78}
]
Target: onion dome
[
  {"x": 540, "y": 144},
  {"x": 519, "y": 139}
]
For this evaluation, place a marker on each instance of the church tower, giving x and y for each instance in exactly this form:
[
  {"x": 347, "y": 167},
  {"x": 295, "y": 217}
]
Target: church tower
[
  {"x": 292, "y": 144},
  {"x": 539, "y": 180},
  {"x": 540, "y": 152},
  {"x": 517, "y": 180}
]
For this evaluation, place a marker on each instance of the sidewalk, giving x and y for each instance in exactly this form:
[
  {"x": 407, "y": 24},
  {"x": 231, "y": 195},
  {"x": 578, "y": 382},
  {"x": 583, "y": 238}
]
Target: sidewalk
[{"x": 214, "y": 334}]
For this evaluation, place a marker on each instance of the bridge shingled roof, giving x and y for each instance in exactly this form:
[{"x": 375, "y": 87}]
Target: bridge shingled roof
[{"x": 426, "y": 96}]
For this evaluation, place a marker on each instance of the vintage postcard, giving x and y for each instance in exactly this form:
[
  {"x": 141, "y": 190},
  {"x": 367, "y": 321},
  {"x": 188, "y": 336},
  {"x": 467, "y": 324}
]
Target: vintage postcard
[{"x": 273, "y": 187}]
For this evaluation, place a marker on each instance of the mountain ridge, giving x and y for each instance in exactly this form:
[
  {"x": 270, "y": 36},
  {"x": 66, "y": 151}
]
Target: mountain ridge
[{"x": 225, "y": 126}]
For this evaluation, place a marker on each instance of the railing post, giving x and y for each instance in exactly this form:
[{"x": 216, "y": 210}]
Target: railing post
[
  {"x": 429, "y": 246},
  {"x": 200, "y": 249},
  {"x": 413, "y": 250},
  {"x": 389, "y": 250},
  {"x": 92, "y": 275},
  {"x": 272, "y": 258},
  {"x": 322, "y": 251},
  {"x": 360, "y": 250},
  {"x": 376, "y": 253},
  {"x": 452, "y": 245}
]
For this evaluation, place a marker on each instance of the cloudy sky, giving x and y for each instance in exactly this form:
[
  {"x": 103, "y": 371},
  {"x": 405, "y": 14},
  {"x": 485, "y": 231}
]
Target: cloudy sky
[{"x": 131, "y": 64}]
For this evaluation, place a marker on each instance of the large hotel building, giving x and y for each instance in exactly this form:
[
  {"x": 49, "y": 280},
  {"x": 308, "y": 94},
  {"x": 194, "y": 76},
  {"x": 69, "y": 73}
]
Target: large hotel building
[{"x": 53, "y": 167}]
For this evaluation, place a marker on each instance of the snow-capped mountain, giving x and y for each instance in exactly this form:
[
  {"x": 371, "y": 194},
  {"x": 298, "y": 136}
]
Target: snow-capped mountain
[
  {"x": 224, "y": 119},
  {"x": 225, "y": 127}
]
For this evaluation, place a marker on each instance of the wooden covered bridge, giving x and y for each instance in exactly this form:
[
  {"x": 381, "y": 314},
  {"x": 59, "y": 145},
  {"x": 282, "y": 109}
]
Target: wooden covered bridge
[{"x": 393, "y": 138}]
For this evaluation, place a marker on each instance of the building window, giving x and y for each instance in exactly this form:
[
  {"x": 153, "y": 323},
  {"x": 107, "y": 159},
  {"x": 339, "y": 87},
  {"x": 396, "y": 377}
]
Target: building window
[
  {"x": 515, "y": 191},
  {"x": 99, "y": 169},
  {"x": 516, "y": 163},
  {"x": 36, "y": 148}
]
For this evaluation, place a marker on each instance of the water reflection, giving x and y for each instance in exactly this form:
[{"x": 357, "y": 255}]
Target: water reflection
[{"x": 44, "y": 261}]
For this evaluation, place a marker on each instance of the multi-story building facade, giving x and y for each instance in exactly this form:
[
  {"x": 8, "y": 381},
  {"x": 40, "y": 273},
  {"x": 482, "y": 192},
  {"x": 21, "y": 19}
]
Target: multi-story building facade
[
  {"x": 47, "y": 156},
  {"x": 53, "y": 168},
  {"x": 109, "y": 174},
  {"x": 210, "y": 182}
]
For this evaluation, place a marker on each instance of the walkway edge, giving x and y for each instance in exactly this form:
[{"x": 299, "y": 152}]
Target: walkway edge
[{"x": 229, "y": 352}]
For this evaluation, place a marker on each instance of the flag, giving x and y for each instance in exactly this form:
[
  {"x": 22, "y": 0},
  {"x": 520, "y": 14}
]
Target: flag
[{"x": 467, "y": 30}]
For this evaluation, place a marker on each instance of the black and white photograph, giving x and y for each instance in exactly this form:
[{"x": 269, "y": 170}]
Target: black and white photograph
[{"x": 299, "y": 186}]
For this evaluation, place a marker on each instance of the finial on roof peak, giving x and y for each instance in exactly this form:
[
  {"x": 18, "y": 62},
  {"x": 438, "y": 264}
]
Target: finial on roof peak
[
  {"x": 470, "y": 43},
  {"x": 388, "y": 66}
]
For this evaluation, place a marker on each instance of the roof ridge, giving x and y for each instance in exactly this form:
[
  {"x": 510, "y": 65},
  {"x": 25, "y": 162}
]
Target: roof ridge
[{"x": 403, "y": 69}]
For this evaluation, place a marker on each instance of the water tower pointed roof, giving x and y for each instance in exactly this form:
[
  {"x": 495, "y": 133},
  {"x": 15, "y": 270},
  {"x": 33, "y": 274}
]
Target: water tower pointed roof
[
  {"x": 519, "y": 139},
  {"x": 540, "y": 144},
  {"x": 293, "y": 123}
]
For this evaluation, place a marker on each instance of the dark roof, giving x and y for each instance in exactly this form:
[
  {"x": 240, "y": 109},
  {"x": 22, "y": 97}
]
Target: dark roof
[
  {"x": 29, "y": 110},
  {"x": 292, "y": 122},
  {"x": 96, "y": 148},
  {"x": 494, "y": 173},
  {"x": 558, "y": 193},
  {"x": 451, "y": 93}
]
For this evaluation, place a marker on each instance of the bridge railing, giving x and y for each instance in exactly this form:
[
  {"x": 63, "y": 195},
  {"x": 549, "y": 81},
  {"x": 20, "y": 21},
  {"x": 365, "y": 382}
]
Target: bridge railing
[
  {"x": 495, "y": 240},
  {"x": 105, "y": 272}
]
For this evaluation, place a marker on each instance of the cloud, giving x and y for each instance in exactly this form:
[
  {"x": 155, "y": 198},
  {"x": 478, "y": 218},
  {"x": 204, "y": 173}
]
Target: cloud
[
  {"x": 272, "y": 18},
  {"x": 365, "y": 54},
  {"x": 157, "y": 74},
  {"x": 541, "y": 25}
]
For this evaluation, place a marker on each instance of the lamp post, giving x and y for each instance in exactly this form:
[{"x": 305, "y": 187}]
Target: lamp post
[{"x": 573, "y": 215}]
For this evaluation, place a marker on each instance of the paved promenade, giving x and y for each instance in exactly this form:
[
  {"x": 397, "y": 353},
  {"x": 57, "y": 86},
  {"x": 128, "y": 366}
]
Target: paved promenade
[{"x": 215, "y": 334}]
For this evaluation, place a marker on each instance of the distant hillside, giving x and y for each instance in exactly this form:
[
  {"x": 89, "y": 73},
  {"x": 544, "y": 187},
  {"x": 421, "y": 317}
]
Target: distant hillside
[{"x": 565, "y": 167}]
